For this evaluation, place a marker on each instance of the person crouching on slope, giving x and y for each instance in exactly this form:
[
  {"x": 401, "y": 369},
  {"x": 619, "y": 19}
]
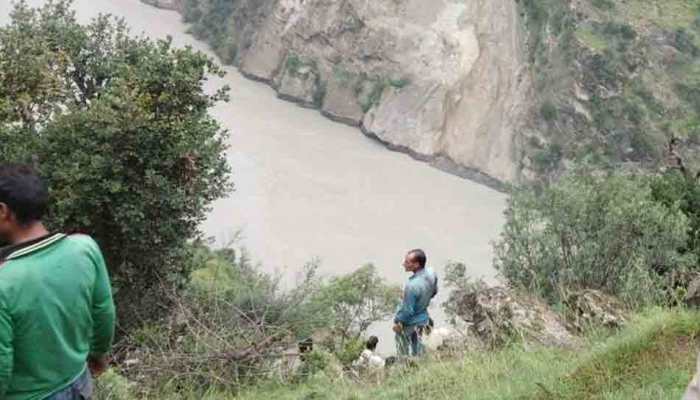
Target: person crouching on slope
[
  {"x": 369, "y": 359},
  {"x": 56, "y": 310},
  {"x": 412, "y": 317}
]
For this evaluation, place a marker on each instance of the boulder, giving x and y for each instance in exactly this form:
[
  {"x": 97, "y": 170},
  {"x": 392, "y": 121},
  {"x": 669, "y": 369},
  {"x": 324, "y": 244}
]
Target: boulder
[
  {"x": 589, "y": 307},
  {"x": 497, "y": 315}
]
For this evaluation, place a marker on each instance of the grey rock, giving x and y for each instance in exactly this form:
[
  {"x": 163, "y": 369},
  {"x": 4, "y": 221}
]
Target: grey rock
[
  {"x": 593, "y": 308},
  {"x": 497, "y": 315}
]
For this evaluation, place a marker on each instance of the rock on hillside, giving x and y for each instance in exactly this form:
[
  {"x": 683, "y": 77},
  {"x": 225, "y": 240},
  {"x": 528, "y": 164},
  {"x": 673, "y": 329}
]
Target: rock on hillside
[{"x": 497, "y": 315}]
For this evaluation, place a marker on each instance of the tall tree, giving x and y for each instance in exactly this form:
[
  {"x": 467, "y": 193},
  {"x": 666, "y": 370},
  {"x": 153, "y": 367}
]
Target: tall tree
[{"x": 119, "y": 126}]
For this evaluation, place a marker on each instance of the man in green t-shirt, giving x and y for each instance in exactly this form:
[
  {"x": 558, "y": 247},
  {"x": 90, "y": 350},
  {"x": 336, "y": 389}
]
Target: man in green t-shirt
[{"x": 56, "y": 309}]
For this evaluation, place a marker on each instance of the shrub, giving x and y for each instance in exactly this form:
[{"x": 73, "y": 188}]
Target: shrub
[
  {"x": 690, "y": 93},
  {"x": 606, "y": 233},
  {"x": 112, "y": 386},
  {"x": 685, "y": 42},
  {"x": 605, "y": 5},
  {"x": 293, "y": 63},
  {"x": 675, "y": 189},
  {"x": 120, "y": 130},
  {"x": 548, "y": 159},
  {"x": 353, "y": 302},
  {"x": 549, "y": 111},
  {"x": 623, "y": 31},
  {"x": 234, "y": 326}
]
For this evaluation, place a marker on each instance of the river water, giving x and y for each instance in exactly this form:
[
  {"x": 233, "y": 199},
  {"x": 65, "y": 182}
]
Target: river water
[{"x": 308, "y": 188}]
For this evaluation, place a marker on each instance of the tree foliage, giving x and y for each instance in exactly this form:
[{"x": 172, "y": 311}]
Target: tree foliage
[
  {"x": 354, "y": 301},
  {"x": 234, "y": 325},
  {"x": 118, "y": 125},
  {"x": 684, "y": 191},
  {"x": 607, "y": 233}
]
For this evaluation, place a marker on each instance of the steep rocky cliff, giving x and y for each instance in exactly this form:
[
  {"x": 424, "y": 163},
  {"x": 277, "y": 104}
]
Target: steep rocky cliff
[
  {"x": 443, "y": 80},
  {"x": 495, "y": 90}
]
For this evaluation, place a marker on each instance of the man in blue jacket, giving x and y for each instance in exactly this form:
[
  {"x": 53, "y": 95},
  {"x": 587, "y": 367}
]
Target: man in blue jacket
[{"x": 412, "y": 318}]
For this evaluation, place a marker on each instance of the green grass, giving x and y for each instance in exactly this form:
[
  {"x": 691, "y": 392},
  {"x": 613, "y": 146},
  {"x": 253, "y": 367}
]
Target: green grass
[
  {"x": 591, "y": 39},
  {"x": 653, "y": 358},
  {"x": 669, "y": 14}
]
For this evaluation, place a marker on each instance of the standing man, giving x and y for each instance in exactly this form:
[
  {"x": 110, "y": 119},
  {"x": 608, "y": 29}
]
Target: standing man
[
  {"x": 412, "y": 318},
  {"x": 56, "y": 309}
]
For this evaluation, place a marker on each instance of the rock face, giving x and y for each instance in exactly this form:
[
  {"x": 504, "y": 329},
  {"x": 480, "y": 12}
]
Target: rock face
[
  {"x": 497, "y": 90},
  {"x": 443, "y": 80},
  {"x": 496, "y": 315},
  {"x": 590, "y": 307}
]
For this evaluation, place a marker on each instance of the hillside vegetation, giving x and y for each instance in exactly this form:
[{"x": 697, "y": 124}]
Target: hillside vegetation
[
  {"x": 651, "y": 359},
  {"x": 614, "y": 81}
]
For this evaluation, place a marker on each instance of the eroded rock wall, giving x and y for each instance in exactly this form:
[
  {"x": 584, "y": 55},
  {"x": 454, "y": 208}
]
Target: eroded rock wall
[{"x": 443, "y": 80}]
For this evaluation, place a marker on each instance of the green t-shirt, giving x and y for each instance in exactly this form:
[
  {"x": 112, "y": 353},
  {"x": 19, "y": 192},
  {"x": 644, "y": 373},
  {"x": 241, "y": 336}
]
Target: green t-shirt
[{"x": 56, "y": 309}]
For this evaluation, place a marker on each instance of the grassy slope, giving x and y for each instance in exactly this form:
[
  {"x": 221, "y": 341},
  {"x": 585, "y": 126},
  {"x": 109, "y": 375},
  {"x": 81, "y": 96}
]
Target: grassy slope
[{"x": 651, "y": 359}]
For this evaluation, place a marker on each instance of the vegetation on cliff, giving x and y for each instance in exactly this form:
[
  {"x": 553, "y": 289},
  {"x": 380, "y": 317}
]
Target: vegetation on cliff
[
  {"x": 634, "y": 237},
  {"x": 614, "y": 81}
]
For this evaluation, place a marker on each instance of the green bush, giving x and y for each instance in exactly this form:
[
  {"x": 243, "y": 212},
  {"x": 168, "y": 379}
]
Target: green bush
[
  {"x": 547, "y": 160},
  {"x": 293, "y": 64},
  {"x": 674, "y": 189},
  {"x": 549, "y": 111},
  {"x": 606, "y": 233},
  {"x": 233, "y": 325},
  {"x": 119, "y": 128},
  {"x": 112, "y": 386},
  {"x": 623, "y": 31},
  {"x": 690, "y": 93},
  {"x": 605, "y": 5},
  {"x": 354, "y": 301},
  {"x": 685, "y": 43}
]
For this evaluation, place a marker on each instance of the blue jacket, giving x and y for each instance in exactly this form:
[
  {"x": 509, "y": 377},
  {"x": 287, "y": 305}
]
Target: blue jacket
[{"x": 419, "y": 290}]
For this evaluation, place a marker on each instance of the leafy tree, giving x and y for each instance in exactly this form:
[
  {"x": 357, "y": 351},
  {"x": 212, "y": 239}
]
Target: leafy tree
[
  {"x": 606, "y": 233},
  {"x": 119, "y": 127},
  {"x": 675, "y": 188},
  {"x": 353, "y": 302}
]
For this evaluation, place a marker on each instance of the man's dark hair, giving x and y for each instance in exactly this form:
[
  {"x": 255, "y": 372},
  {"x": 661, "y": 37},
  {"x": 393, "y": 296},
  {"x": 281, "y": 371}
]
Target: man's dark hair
[
  {"x": 306, "y": 345},
  {"x": 372, "y": 343},
  {"x": 24, "y": 192},
  {"x": 419, "y": 256}
]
